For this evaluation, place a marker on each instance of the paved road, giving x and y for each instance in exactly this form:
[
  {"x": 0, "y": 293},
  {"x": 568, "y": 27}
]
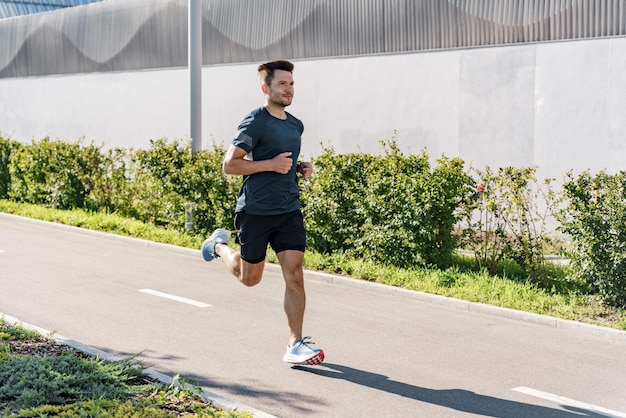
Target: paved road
[{"x": 389, "y": 354}]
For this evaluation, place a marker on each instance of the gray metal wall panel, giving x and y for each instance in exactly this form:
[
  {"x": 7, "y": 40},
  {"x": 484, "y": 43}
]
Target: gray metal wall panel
[{"x": 119, "y": 35}]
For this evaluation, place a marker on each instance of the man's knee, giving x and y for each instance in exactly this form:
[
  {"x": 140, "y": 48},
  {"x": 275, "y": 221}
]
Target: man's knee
[
  {"x": 251, "y": 274},
  {"x": 251, "y": 279}
]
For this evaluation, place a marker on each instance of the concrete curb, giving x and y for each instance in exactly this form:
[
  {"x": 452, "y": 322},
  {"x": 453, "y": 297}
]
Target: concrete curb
[{"x": 213, "y": 398}]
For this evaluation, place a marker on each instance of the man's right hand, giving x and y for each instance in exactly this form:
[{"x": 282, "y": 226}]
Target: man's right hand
[{"x": 283, "y": 162}]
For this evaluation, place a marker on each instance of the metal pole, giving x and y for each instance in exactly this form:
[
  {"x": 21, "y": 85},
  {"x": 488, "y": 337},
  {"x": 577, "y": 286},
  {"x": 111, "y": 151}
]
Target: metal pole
[{"x": 195, "y": 74}]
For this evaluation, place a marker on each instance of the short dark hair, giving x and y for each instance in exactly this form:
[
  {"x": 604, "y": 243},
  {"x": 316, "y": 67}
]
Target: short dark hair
[{"x": 266, "y": 71}]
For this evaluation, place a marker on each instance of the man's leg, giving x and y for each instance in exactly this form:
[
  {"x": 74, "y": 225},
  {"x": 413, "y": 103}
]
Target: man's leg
[
  {"x": 295, "y": 298},
  {"x": 247, "y": 273},
  {"x": 298, "y": 350}
]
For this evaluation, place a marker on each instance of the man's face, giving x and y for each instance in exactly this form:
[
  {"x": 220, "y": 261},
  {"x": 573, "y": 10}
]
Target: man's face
[{"x": 280, "y": 91}]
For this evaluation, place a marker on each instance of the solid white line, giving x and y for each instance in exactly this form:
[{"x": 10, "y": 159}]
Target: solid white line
[
  {"x": 176, "y": 298},
  {"x": 570, "y": 402}
]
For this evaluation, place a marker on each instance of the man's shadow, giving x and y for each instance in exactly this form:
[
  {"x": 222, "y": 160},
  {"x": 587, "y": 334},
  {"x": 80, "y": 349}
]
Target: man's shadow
[{"x": 458, "y": 399}]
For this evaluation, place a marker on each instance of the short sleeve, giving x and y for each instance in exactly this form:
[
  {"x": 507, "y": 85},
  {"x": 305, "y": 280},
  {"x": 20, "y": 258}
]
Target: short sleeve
[{"x": 250, "y": 130}]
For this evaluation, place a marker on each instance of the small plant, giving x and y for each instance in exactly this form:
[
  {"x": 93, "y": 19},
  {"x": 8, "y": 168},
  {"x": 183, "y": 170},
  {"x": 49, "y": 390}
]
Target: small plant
[
  {"x": 508, "y": 219},
  {"x": 180, "y": 397},
  {"x": 16, "y": 333}
]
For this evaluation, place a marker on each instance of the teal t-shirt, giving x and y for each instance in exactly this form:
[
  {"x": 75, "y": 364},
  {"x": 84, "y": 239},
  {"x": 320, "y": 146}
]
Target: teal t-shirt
[{"x": 264, "y": 136}]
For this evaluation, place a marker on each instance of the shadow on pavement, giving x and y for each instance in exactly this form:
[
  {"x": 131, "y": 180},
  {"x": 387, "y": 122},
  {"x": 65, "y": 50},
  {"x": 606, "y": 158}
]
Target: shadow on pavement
[
  {"x": 458, "y": 399},
  {"x": 296, "y": 402}
]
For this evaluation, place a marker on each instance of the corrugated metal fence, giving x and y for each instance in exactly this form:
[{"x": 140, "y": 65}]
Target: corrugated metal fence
[{"x": 118, "y": 35}]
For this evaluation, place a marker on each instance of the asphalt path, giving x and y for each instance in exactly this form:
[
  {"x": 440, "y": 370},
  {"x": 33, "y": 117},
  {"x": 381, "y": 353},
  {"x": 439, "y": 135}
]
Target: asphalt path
[{"x": 389, "y": 353}]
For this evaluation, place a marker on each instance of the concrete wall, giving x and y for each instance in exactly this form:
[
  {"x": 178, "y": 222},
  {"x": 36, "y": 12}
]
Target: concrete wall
[{"x": 559, "y": 106}]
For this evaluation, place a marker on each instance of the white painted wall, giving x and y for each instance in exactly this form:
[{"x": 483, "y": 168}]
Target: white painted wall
[{"x": 559, "y": 106}]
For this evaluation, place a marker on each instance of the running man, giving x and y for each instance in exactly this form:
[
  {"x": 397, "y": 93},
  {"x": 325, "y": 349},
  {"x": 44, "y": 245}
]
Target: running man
[{"x": 265, "y": 152}]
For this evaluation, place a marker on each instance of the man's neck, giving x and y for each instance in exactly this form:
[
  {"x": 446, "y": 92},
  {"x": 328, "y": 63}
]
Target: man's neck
[{"x": 276, "y": 111}]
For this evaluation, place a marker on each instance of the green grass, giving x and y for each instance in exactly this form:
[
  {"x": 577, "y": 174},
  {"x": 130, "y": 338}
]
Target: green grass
[
  {"x": 557, "y": 297},
  {"x": 41, "y": 378},
  {"x": 552, "y": 295},
  {"x": 105, "y": 222}
]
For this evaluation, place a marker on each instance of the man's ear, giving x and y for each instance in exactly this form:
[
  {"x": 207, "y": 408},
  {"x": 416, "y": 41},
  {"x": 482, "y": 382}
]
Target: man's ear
[{"x": 264, "y": 88}]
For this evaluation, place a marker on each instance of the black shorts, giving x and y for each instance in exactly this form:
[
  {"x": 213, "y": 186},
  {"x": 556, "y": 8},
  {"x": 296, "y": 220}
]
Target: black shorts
[{"x": 283, "y": 232}]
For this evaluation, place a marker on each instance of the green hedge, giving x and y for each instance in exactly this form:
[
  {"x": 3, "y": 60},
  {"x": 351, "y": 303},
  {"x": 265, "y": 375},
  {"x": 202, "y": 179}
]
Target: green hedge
[
  {"x": 392, "y": 208},
  {"x": 149, "y": 185}
]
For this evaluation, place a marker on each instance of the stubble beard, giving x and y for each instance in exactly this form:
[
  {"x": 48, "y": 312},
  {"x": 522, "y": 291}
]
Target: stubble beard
[{"x": 280, "y": 101}]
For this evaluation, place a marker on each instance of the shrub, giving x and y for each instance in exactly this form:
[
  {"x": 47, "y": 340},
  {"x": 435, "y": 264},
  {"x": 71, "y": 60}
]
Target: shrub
[
  {"x": 160, "y": 169},
  {"x": 332, "y": 205},
  {"x": 7, "y": 148},
  {"x": 392, "y": 208},
  {"x": 594, "y": 218},
  {"x": 173, "y": 176},
  {"x": 54, "y": 173},
  {"x": 114, "y": 184},
  {"x": 446, "y": 189}
]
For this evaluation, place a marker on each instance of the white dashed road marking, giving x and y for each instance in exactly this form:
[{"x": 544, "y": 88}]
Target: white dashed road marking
[
  {"x": 570, "y": 402},
  {"x": 176, "y": 298}
]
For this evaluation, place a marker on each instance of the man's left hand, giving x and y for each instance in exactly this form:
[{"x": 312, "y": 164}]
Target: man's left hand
[{"x": 306, "y": 169}]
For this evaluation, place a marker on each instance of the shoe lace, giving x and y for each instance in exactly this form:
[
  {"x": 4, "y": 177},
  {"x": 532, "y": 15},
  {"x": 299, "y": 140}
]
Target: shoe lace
[{"x": 306, "y": 341}]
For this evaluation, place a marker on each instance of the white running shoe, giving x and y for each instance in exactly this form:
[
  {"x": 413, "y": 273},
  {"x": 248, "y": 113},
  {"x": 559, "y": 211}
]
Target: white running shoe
[
  {"x": 301, "y": 353},
  {"x": 219, "y": 236}
]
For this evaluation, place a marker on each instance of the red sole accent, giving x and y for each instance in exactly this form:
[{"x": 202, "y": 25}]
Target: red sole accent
[{"x": 316, "y": 359}]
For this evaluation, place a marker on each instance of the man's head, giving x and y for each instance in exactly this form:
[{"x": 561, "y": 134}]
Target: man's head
[
  {"x": 266, "y": 71},
  {"x": 276, "y": 80}
]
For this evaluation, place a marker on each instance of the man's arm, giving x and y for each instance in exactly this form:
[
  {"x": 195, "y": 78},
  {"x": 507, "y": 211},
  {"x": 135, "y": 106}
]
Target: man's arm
[{"x": 235, "y": 163}]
